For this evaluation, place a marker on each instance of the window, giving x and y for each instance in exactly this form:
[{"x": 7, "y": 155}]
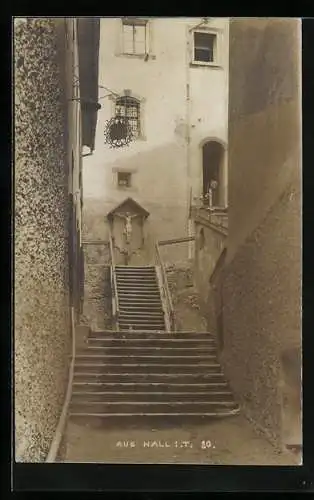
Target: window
[
  {"x": 134, "y": 36},
  {"x": 204, "y": 47},
  {"x": 124, "y": 179},
  {"x": 130, "y": 108}
]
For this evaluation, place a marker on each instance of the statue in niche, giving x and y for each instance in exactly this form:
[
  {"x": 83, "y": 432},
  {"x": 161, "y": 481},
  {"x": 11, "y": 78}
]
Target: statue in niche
[{"x": 128, "y": 225}]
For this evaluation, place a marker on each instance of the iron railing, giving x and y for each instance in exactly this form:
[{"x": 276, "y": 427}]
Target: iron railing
[
  {"x": 165, "y": 292},
  {"x": 114, "y": 286}
]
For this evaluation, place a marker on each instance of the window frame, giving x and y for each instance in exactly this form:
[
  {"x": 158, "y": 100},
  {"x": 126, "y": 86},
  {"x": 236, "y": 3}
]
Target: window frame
[
  {"x": 128, "y": 175},
  {"x": 134, "y": 22},
  {"x": 138, "y": 118},
  {"x": 217, "y": 59},
  {"x": 142, "y": 102},
  {"x": 123, "y": 186}
]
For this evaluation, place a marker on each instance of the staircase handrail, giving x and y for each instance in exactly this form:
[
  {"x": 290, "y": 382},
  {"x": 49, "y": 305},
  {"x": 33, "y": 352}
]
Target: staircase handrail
[
  {"x": 170, "y": 309},
  {"x": 114, "y": 286}
]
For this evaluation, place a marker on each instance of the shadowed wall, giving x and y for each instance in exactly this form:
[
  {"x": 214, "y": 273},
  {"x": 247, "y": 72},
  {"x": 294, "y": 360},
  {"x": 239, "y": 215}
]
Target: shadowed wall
[
  {"x": 42, "y": 326},
  {"x": 262, "y": 277}
]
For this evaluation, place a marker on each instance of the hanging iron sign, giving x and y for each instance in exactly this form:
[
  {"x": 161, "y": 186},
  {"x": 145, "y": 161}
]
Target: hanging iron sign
[{"x": 118, "y": 132}]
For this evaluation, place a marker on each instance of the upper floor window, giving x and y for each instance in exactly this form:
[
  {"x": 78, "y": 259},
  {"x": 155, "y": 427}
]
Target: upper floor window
[
  {"x": 130, "y": 108},
  {"x": 135, "y": 36},
  {"x": 205, "y": 48}
]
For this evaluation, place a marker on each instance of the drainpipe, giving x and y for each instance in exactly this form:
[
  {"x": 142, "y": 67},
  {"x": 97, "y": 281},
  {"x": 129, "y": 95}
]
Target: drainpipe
[{"x": 188, "y": 141}]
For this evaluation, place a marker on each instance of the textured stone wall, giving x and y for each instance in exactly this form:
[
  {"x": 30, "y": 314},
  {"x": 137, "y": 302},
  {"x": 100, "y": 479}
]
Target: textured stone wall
[
  {"x": 97, "y": 305},
  {"x": 261, "y": 281},
  {"x": 41, "y": 275},
  {"x": 97, "y": 290},
  {"x": 262, "y": 321},
  {"x": 264, "y": 146}
]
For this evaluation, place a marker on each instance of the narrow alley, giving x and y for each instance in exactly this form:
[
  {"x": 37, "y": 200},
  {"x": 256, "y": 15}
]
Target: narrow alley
[{"x": 158, "y": 240}]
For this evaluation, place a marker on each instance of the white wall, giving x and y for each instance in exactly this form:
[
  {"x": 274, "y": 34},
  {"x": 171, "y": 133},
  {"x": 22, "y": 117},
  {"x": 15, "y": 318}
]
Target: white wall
[{"x": 163, "y": 163}]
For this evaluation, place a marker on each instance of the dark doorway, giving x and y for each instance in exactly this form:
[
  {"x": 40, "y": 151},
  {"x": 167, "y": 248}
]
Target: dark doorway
[{"x": 213, "y": 153}]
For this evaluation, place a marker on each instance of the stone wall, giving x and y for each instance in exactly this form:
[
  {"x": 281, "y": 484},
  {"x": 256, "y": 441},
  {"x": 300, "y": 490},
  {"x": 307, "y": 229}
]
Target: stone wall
[
  {"x": 261, "y": 281},
  {"x": 42, "y": 325},
  {"x": 97, "y": 290},
  {"x": 209, "y": 243},
  {"x": 264, "y": 146},
  {"x": 262, "y": 322}
]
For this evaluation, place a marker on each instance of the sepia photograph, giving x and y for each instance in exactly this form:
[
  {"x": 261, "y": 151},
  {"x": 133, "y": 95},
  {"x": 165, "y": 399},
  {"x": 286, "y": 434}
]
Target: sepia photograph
[{"x": 157, "y": 240}]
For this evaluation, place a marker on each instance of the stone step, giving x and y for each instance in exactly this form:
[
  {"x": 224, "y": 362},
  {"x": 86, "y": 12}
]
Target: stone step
[
  {"x": 145, "y": 294},
  {"x": 104, "y": 368},
  {"x": 137, "y": 288},
  {"x": 88, "y": 357},
  {"x": 136, "y": 314},
  {"x": 131, "y": 279},
  {"x": 142, "y": 280},
  {"x": 137, "y": 275},
  {"x": 141, "y": 323},
  {"x": 143, "y": 334},
  {"x": 131, "y": 407},
  {"x": 146, "y": 350},
  {"x": 126, "y": 314},
  {"x": 139, "y": 301},
  {"x": 127, "y": 327},
  {"x": 84, "y": 375},
  {"x": 163, "y": 387},
  {"x": 120, "y": 266},
  {"x": 136, "y": 282},
  {"x": 144, "y": 313},
  {"x": 141, "y": 308},
  {"x": 126, "y": 317},
  {"x": 139, "y": 298},
  {"x": 195, "y": 417},
  {"x": 150, "y": 396},
  {"x": 152, "y": 343},
  {"x": 135, "y": 272},
  {"x": 154, "y": 313}
]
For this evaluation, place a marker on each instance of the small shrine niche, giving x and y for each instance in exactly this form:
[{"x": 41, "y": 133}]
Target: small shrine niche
[{"x": 127, "y": 228}]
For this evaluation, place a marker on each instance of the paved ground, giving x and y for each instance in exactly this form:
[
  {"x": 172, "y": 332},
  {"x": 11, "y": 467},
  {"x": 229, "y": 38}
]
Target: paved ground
[{"x": 229, "y": 441}]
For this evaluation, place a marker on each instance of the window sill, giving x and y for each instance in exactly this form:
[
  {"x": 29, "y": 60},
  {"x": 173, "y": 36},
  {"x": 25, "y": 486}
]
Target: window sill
[
  {"x": 195, "y": 64},
  {"x": 124, "y": 169},
  {"x": 136, "y": 56}
]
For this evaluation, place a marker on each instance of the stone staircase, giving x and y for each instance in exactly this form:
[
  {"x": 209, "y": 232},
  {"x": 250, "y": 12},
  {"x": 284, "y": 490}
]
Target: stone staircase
[
  {"x": 149, "y": 373},
  {"x": 140, "y": 305}
]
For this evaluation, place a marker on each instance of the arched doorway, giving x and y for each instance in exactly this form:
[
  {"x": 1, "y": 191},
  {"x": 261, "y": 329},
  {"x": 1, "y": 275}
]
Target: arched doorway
[{"x": 213, "y": 163}]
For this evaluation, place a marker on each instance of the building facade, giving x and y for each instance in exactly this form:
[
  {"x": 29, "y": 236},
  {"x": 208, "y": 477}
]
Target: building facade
[
  {"x": 48, "y": 199},
  {"x": 170, "y": 77}
]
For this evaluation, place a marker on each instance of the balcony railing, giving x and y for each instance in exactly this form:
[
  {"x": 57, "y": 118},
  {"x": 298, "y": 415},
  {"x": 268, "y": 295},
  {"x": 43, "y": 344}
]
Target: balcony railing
[{"x": 217, "y": 216}]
